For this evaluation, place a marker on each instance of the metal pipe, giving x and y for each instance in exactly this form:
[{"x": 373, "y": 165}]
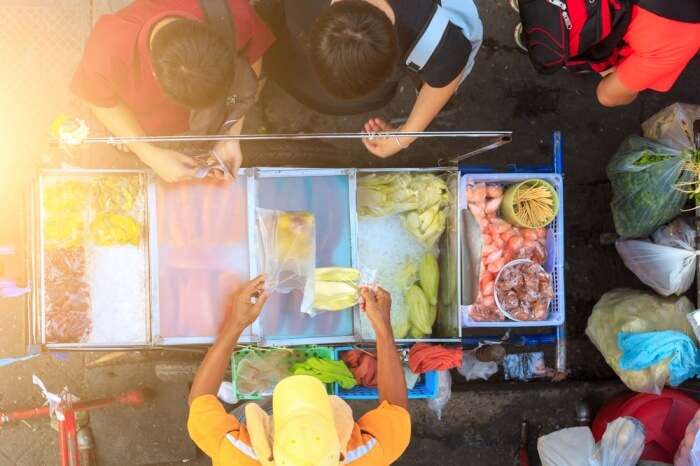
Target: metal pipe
[{"x": 501, "y": 135}]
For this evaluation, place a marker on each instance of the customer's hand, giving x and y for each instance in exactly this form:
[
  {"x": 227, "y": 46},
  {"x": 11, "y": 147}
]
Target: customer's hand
[
  {"x": 170, "y": 165},
  {"x": 376, "y": 303},
  {"x": 247, "y": 305},
  {"x": 229, "y": 152},
  {"x": 379, "y": 145}
]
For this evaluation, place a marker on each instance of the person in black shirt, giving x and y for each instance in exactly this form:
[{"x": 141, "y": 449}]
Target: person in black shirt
[{"x": 346, "y": 56}]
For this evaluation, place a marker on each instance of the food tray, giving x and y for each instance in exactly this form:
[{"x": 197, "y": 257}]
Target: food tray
[
  {"x": 425, "y": 388},
  {"x": 555, "y": 247},
  {"x": 299, "y": 354}
]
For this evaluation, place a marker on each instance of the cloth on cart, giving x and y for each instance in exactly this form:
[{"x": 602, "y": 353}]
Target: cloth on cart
[
  {"x": 363, "y": 366},
  {"x": 645, "y": 349},
  {"x": 425, "y": 358},
  {"x": 326, "y": 371}
]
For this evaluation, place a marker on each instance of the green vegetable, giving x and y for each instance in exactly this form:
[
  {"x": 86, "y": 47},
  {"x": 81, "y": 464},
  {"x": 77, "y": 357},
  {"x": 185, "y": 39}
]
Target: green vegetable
[
  {"x": 644, "y": 196},
  {"x": 429, "y": 274},
  {"x": 408, "y": 275},
  {"x": 648, "y": 157},
  {"x": 420, "y": 314}
]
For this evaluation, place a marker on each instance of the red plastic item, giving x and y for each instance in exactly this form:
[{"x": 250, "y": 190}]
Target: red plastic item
[{"x": 664, "y": 416}]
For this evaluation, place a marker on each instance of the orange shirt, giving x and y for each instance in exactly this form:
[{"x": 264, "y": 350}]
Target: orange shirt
[
  {"x": 656, "y": 51},
  {"x": 379, "y": 438}
]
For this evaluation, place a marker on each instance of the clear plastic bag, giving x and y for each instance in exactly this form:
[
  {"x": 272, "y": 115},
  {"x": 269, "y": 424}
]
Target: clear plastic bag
[
  {"x": 438, "y": 403},
  {"x": 644, "y": 175},
  {"x": 259, "y": 371},
  {"x": 624, "y": 310},
  {"x": 621, "y": 445},
  {"x": 472, "y": 368},
  {"x": 673, "y": 125},
  {"x": 566, "y": 447},
  {"x": 668, "y": 263},
  {"x": 524, "y": 366},
  {"x": 286, "y": 253},
  {"x": 688, "y": 453}
]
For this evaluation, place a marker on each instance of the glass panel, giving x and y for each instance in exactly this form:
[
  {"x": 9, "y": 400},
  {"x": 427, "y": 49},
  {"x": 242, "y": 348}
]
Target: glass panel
[
  {"x": 202, "y": 254},
  {"x": 327, "y": 197}
]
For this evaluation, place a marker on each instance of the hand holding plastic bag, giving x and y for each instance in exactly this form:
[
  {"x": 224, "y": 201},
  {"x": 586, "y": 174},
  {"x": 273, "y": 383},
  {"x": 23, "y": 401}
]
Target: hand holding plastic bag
[
  {"x": 668, "y": 263},
  {"x": 621, "y": 445},
  {"x": 286, "y": 253}
]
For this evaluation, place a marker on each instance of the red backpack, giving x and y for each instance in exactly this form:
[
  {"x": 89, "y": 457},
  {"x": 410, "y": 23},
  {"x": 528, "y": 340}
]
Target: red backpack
[{"x": 586, "y": 35}]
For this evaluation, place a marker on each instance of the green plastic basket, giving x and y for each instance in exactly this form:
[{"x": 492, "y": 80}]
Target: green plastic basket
[{"x": 298, "y": 354}]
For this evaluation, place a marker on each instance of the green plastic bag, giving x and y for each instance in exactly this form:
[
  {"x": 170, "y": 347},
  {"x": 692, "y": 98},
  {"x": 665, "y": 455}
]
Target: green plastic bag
[
  {"x": 643, "y": 175},
  {"x": 623, "y": 310}
]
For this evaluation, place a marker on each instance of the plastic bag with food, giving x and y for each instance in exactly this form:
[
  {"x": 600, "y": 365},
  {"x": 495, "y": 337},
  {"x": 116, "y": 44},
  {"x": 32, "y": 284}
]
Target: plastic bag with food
[
  {"x": 667, "y": 264},
  {"x": 259, "y": 371},
  {"x": 634, "y": 311},
  {"x": 621, "y": 445},
  {"x": 286, "y": 253},
  {"x": 673, "y": 125},
  {"x": 566, "y": 447},
  {"x": 645, "y": 176}
]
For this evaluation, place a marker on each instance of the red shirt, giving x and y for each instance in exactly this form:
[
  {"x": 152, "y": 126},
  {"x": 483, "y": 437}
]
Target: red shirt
[
  {"x": 656, "y": 51},
  {"x": 116, "y": 65}
]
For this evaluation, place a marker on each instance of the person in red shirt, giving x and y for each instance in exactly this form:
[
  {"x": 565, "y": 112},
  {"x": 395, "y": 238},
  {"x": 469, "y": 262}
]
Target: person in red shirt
[
  {"x": 656, "y": 50},
  {"x": 146, "y": 66}
]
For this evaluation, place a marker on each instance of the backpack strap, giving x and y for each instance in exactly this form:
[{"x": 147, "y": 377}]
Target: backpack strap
[
  {"x": 685, "y": 11},
  {"x": 218, "y": 16},
  {"x": 428, "y": 40}
]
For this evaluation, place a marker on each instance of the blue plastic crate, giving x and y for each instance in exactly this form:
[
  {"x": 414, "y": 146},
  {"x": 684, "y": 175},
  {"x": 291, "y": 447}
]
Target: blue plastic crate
[{"x": 426, "y": 387}]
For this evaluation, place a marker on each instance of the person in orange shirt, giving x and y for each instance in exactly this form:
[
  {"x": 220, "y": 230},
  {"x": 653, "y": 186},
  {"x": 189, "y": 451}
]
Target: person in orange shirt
[
  {"x": 308, "y": 427},
  {"x": 655, "y": 52}
]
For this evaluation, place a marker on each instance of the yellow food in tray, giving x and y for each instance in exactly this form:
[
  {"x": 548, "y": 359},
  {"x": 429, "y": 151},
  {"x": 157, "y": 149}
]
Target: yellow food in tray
[
  {"x": 64, "y": 205},
  {"x": 109, "y": 229},
  {"x": 117, "y": 193},
  {"x": 65, "y": 230}
]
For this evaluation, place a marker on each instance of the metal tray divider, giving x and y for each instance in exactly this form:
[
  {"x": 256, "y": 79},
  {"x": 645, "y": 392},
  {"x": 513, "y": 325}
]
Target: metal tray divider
[
  {"x": 354, "y": 248},
  {"x": 252, "y": 197},
  {"x": 154, "y": 292},
  {"x": 42, "y": 265}
]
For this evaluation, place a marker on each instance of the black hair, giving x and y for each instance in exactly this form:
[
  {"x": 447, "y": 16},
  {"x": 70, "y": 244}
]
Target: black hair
[
  {"x": 353, "y": 48},
  {"x": 192, "y": 63}
]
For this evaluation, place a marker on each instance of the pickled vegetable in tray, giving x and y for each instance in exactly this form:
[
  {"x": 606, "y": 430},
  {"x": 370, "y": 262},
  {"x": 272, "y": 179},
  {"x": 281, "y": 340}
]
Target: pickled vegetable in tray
[{"x": 94, "y": 258}]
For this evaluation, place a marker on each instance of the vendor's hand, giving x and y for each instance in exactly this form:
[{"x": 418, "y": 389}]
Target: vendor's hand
[
  {"x": 170, "y": 165},
  {"x": 604, "y": 73},
  {"x": 376, "y": 303},
  {"x": 383, "y": 146},
  {"x": 229, "y": 152},
  {"x": 247, "y": 305}
]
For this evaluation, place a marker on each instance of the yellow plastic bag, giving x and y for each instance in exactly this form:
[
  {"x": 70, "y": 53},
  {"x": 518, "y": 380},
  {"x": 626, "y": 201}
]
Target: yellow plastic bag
[{"x": 623, "y": 310}]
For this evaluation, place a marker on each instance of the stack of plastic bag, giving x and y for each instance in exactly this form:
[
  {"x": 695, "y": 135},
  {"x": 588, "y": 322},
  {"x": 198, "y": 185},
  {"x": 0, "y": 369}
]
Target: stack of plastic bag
[
  {"x": 621, "y": 445},
  {"x": 632, "y": 311},
  {"x": 649, "y": 175},
  {"x": 667, "y": 262}
]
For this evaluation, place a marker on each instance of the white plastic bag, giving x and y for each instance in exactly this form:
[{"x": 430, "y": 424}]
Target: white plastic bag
[
  {"x": 473, "y": 369},
  {"x": 286, "y": 253},
  {"x": 673, "y": 125},
  {"x": 566, "y": 447},
  {"x": 622, "y": 444},
  {"x": 668, "y": 263},
  {"x": 438, "y": 403},
  {"x": 688, "y": 453}
]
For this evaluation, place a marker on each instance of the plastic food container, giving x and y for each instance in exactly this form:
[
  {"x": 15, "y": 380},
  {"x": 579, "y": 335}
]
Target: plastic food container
[{"x": 500, "y": 305}]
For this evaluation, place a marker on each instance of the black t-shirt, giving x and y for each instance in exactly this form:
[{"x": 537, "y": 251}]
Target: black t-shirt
[
  {"x": 412, "y": 16},
  {"x": 451, "y": 55}
]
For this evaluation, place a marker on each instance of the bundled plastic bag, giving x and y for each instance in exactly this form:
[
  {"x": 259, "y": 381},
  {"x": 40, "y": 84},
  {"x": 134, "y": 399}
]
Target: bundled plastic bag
[
  {"x": 688, "y": 453},
  {"x": 259, "y": 371},
  {"x": 668, "y": 263},
  {"x": 621, "y": 445},
  {"x": 635, "y": 311},
  {"x": 438, "y": 403},
  {"x": 286, "y": 252},
  {"x": 644, "y": 176},
  {"x": 472, "y": 368},
  {"x": 673, "y": 125},
  {"x": 566, "y": 447}
]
